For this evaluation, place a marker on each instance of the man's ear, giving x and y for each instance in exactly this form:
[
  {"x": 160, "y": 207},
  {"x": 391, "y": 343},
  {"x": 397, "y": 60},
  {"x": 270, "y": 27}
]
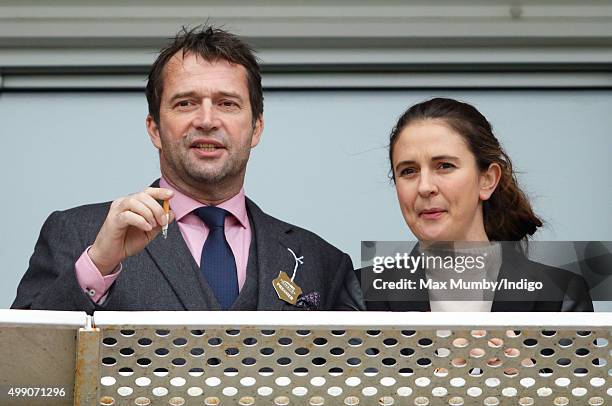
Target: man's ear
[
  {"x": 153, "y": 130},
  {"x": 257, "y": 131},
  {"x": 489, "y": 180}
]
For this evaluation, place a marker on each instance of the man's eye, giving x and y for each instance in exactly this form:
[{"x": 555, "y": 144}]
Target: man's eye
[
  {"x": 183, "y": 103},
  {"x": 228, "y": 103},
  {"x": 446, "y": 165}
]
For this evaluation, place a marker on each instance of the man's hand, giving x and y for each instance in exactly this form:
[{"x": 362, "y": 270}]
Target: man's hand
[{"x": 132, "y": 222}]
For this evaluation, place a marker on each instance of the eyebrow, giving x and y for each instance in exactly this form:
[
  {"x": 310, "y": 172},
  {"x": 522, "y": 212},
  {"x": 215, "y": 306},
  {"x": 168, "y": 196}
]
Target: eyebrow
[
  {"x": 445, "y": 158},
  {"x": 434, "y": 158},
  {"x": 195, "y": 94},
  {"x": 231, "y": 95},
  {"x": 182, "y": 94}
]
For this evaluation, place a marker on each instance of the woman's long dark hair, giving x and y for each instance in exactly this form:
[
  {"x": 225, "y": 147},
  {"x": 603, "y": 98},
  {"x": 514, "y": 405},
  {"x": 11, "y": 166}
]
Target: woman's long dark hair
[{"x": 507, "y": 214}]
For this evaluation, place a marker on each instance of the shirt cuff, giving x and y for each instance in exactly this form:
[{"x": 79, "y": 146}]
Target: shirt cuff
[{"x": 91, "y": 280}]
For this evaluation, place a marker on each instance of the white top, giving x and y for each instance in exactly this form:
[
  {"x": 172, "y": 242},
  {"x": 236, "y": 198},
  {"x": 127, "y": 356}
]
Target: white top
[{"x": 469, "y": 301}]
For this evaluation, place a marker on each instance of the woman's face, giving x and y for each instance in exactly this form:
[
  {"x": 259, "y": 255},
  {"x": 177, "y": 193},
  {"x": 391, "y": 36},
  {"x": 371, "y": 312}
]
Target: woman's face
[{"x": 439, "y": 186}]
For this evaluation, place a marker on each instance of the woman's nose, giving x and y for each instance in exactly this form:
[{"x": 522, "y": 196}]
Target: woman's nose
[{"x": 427, "y": 185}]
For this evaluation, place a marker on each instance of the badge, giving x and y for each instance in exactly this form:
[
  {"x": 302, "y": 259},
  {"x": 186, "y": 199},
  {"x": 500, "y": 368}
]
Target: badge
[{"x": 285, "y": 287}]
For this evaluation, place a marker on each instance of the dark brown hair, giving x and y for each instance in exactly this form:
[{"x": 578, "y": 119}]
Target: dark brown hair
[
  {"x": 507, "y": 214},
  {"x": 212, "y": 44}
]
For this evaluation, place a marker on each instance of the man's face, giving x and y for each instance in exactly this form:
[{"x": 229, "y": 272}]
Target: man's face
[{"x": 205, "y": 131}]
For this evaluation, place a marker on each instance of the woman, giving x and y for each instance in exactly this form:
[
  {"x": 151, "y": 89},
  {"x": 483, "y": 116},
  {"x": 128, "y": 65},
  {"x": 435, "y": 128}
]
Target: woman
[{"x": 454, "y": 182}]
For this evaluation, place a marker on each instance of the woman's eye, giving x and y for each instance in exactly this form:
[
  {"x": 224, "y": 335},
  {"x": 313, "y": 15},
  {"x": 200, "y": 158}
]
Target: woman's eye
[
  {"x": 446, "y": 165},
  {"x": 407, "y": 172}
]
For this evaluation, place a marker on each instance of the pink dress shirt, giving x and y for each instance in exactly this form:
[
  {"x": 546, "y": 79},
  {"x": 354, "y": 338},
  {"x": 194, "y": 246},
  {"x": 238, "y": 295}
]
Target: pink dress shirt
[{"x": 194, "y": 232}]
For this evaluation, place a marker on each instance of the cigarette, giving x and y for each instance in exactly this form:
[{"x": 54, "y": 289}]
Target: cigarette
[{"x": 167, "y": 214}]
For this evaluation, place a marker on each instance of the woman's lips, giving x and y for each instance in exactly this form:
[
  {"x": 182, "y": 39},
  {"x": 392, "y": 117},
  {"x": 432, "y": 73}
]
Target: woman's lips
[{"x": 433, "y": 214}]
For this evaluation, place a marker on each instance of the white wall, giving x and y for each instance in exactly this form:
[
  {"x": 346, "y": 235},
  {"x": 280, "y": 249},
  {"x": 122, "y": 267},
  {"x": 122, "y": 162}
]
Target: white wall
[{"x": 321, "y": 164}]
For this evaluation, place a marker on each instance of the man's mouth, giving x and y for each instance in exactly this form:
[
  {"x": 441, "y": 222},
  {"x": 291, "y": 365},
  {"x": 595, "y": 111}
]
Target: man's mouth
[{"x": 206, "y": 147}]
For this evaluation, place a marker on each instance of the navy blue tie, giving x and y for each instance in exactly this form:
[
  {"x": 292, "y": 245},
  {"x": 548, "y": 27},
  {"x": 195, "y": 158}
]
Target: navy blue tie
[{"x": 217, "y": 262}]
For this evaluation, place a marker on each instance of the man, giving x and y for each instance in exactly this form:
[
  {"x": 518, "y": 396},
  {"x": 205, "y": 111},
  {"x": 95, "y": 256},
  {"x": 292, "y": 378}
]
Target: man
[{"x": 222, "y": 252}]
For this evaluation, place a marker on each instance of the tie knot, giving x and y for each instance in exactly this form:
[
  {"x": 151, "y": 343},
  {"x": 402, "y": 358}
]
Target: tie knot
[{"x": 212, "y": 216}]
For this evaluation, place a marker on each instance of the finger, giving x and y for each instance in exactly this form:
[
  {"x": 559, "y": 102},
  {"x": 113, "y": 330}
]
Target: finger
[
  {"x": 171, "y": 218},
  {"x": 154, "y": 206},
  {"x": 135, "y": 205},
  {"x": 159, "y": 193},
  {"x": 129, "y": 218}
]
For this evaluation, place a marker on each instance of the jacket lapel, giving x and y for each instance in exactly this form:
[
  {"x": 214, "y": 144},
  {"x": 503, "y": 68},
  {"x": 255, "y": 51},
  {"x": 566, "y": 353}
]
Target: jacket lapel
[
  {"x": 175, "y": 261},
  {"x": 272, "y": 240},
  {"x": 514, "y": 268}
]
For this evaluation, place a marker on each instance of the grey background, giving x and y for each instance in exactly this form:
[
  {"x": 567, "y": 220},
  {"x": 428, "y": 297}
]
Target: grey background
[{"x": 322, "y": 163}]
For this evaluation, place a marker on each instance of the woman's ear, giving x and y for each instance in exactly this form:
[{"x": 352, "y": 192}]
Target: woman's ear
[{"x": 489, "y": 180}]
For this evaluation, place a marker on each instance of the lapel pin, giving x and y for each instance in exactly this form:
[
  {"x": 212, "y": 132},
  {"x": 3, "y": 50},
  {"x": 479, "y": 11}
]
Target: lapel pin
[{"x": 285, "y": 287}]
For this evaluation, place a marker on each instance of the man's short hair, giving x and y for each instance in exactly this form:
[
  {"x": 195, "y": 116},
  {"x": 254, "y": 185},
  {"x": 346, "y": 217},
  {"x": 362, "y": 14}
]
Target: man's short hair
[{"x": 211, "y": 44}]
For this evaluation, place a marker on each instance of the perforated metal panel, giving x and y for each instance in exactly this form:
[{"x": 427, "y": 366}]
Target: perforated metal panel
[{"x": 316, "y": 365}]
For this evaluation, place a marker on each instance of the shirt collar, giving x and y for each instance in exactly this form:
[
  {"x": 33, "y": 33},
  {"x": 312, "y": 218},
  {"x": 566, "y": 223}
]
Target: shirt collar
[{"x": 182, "y": 205}]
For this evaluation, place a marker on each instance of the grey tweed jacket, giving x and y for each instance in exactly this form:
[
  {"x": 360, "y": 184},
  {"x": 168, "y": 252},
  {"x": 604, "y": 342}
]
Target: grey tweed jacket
[{"x": 164, "y": 276}]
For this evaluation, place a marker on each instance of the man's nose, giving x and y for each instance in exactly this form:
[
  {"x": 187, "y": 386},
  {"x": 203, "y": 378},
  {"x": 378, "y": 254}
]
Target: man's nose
[
  {"x": 206, "y": 118},
  {"x": 427, "y": 184}
]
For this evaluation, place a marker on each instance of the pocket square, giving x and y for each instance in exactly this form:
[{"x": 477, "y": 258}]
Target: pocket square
[{"x": 309, "y": 301}]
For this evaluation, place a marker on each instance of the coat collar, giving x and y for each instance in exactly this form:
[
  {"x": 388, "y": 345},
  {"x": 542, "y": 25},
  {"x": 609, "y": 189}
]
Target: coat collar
[
  {"x": 176, "y": 263},
  {"x": 515, "y": 266},
  {"x": 272, "y": 238}
]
